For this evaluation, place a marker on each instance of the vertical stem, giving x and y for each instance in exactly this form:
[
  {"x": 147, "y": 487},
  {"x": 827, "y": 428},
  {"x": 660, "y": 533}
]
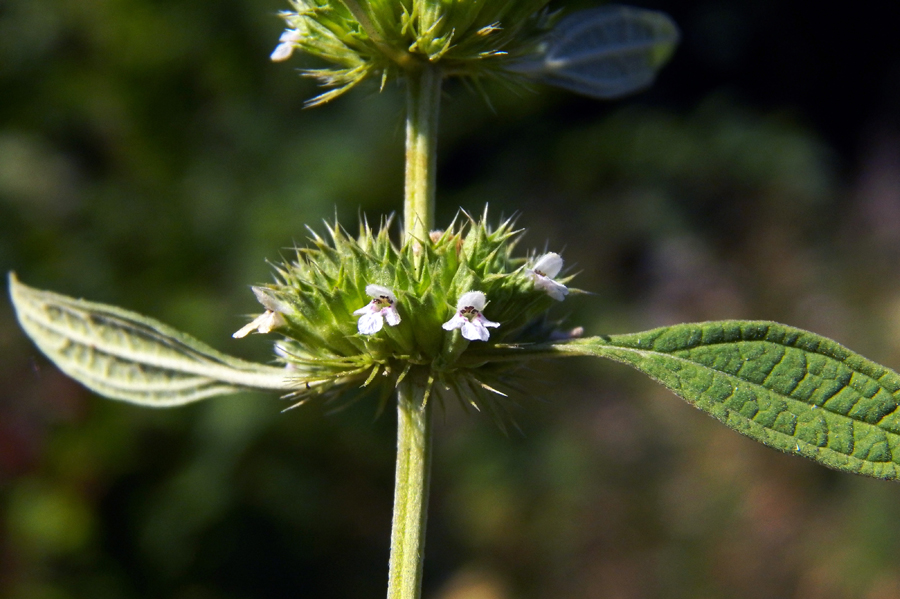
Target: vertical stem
[
  {"x": 423, "y": 100},
  {"x": 423, "y": 97},
  {"x": 410, "y": 492}
]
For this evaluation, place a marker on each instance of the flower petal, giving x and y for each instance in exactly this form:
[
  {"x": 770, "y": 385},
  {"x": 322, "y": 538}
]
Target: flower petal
[
  {"x": 247, "y": 328},
  {"x": 367, "y": 309},
  {"x": 455, "y": 323},
  {"x": 370, "y": 323},
  {"x": 378, "y": 291},
  {"x": 557, "y": 291},
  {"x": 269, "y": 321},
  {"x": 282, "y": 52},
  {"x": 549, "y": 264},
  {"x": 475, "y": 331},
  {"x": 291, "y": 36},
  {"x": 391, "y": 315},
  {"x": 474, "y": 299},
  {"x": 480, "y": 319},
  {"x": 264, "y": 323}
]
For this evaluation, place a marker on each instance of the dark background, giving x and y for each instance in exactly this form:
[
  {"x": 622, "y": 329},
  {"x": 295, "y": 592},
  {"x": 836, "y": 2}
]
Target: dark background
[{"x": 152, "y": 157}]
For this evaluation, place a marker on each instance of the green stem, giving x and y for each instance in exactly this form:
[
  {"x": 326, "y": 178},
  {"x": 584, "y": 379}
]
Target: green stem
[
  {"x": 410, "y": 492},
  {"x": 423, "y": 100}
]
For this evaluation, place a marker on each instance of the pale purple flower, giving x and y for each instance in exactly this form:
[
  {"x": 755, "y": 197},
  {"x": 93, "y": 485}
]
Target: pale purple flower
[
  {"x": 380, "y": 309},
  {"x": 469, "y": 319},
  {"x": 543, "y": 272},
  {"x": 270, "y": 319},
  {"x": 286, "y": 44}
]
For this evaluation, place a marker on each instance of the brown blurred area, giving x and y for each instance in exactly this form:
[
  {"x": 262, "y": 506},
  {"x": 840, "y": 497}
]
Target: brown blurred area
[{"x": 152, "y": 157}]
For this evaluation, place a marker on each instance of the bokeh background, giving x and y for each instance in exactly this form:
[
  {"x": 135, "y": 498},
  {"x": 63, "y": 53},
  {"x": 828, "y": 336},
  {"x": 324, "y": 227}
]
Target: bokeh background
[{"x": 152, "y": 157}]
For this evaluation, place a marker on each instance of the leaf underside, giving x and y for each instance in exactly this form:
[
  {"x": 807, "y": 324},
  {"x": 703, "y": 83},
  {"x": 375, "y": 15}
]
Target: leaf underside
[
  {"x": 785, "y": 387},
  {"x": 123, "y": 355},
  {"x": 605, "y": 52}
]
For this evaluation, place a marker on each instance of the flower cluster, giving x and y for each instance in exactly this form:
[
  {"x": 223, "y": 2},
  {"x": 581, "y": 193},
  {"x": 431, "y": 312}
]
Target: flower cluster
[
  {"x": 351, "y": 308},
  {"x": 468, "y": 318},
  {"x": 383, "y": 39}
]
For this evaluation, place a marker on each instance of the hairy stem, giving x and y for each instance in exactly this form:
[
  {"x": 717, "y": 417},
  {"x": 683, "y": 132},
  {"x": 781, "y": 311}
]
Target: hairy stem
[
  {"x": 423, "y": 98},
  {"x": 410, "y": 491}
]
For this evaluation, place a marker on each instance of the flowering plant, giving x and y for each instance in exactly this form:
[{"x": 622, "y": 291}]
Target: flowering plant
[{"x": 453, "y": 314}]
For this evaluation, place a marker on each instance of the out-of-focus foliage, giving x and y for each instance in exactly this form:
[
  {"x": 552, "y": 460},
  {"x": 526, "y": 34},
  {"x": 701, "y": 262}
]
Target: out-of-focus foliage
[
  {"x": 606, "y": 53},
  {"x": 152, "y": 157}
]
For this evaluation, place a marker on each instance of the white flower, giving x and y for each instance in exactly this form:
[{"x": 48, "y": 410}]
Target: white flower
[
  {"x": 264, "y": 323},
  {"x": 270, "y": 319},
  {"x": 374, "y": 313},
  {"x": 542, "y": 273},
  {"x": 469, "y": 319},
  {"x": 286, "y": 44}
]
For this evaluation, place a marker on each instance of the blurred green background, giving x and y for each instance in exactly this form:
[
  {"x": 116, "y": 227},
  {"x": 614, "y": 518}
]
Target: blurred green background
[{"x": 152, "y": 157}]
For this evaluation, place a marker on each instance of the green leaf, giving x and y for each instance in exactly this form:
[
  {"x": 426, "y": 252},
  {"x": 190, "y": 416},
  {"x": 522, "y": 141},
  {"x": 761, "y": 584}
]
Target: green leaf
[
  {"x": 605, "y": 52},
  {"x": 123, "y": 355},
  {"x": 787, "y": 388}
]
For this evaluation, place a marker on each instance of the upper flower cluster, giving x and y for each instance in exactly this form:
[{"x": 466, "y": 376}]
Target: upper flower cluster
[
  {"x": 605, "y": 52},
  {"x": 384, "y": 38},
  {"x": 353, "y": 307}
]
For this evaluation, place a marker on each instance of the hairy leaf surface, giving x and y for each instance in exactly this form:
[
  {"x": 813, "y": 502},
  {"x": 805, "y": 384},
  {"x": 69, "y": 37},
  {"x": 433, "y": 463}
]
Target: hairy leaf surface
[
  {"x": 123, "y": 355},
  {"x": 790, "y": 389}
]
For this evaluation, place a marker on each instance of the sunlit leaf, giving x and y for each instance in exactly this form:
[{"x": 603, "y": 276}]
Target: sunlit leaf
[
  {"x": 126, "y": 356},
  {"x": 790, "y": 389},
  {"x": 605, "y": 52}
]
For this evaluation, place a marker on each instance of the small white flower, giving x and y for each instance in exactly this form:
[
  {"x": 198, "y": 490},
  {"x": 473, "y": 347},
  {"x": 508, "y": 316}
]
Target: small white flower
[
  {"x": 380, "y": 309},
  {"x": 469, "y": 318},
  {"x": 542, "y": 273},
  {"x": 264, "y": 323},
  {"x": 270, "y": 319},
  {"x": 286, "y": 44}
]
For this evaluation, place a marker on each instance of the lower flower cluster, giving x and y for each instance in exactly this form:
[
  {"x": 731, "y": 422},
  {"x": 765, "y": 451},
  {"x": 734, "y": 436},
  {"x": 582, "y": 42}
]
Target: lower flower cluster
[{"x": 353, "y": 308}]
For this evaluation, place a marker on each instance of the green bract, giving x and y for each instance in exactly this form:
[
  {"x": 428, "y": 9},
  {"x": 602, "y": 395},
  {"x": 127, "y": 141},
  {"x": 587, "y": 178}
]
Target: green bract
[
  {"x": 321, "y": 299},
  {"x": 385, "y": 38}
]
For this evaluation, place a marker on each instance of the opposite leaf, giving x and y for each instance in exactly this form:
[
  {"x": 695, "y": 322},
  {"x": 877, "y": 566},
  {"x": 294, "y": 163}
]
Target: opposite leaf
[
  {"x": 123, "y": 355},
  {"x": 606, "y": 52},
  {"x": 790, "y": 389}
]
